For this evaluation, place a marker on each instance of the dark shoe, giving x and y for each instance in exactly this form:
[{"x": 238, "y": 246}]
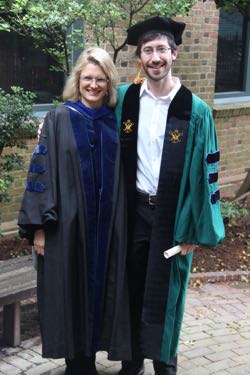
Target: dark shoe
[
  {"x": 80, "y": 371},
  {"x": 135, "y": 367},
  {"x": 81, "y": 365},
  {"x": 73, "y": 371},
  {"x": 162, "y": 368}
]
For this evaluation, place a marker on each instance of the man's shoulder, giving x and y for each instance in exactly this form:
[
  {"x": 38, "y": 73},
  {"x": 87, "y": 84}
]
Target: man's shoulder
[
  {"x": 123, "y": 87},
  {"x": 198, "y": 104},
  {"x": 122, "y": 90}
]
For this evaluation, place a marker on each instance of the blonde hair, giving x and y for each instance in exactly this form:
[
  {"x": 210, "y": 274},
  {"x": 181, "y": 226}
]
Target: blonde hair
[{"x": 97, "y": 56}]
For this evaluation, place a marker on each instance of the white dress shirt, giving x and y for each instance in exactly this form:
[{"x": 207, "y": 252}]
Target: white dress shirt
[{"x": 151, "y": 130}]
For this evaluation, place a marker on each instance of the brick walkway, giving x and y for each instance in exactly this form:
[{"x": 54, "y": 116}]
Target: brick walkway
[{"x": 215, "y": 338}]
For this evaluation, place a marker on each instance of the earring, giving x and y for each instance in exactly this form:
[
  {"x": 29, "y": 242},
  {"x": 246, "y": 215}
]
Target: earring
[{"x": 138, "y": 79}]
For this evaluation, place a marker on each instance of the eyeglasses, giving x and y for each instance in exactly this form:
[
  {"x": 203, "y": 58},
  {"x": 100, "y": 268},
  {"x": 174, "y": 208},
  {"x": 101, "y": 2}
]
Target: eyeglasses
[
  {"x": 159, "y": 50},
  {"x": 99, "y": 81}
]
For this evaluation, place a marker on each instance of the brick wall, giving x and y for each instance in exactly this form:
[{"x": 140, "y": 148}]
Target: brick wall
[
  {"x": 197, "y": 55},
  {"x": 233, "y": 128},
  {"x": 195, "y": 66}
]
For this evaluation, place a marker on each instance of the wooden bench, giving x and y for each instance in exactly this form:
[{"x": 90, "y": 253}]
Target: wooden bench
[{"x": 17, "y": 283}]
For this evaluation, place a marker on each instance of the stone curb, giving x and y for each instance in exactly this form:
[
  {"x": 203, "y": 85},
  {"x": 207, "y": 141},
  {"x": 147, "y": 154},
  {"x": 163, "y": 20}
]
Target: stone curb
[{"x": 220, "y": 276}]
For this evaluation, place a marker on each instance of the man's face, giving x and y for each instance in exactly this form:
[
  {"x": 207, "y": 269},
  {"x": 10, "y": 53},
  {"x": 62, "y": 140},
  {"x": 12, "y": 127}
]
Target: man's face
[{"x": 157, "y": 58}]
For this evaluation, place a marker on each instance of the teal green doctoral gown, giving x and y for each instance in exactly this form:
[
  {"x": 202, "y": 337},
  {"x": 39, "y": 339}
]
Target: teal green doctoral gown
[{"x": 187, "y": 209}]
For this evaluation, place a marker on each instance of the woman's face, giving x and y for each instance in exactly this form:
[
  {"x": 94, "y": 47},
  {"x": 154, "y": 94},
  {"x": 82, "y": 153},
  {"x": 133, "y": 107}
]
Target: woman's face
[{"x": 93, "y": 86}]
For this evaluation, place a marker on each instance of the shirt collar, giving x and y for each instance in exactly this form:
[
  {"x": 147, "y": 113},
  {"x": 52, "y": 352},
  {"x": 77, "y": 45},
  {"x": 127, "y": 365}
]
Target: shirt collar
[{"x": 145, "y": 91}]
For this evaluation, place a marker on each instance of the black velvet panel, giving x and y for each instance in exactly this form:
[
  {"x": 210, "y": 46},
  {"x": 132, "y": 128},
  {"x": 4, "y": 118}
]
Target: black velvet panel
[
  {"x": 158, "y": 275},
  {"x": 213, "y": 177},
  {"x": 215, "y": 197},
  {"x": 130, "y": 115},
  {"x": 213, "y": 157}
]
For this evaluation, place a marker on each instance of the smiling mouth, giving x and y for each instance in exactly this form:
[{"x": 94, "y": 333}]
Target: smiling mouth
[
  {"x": 94, "y": 92},
  {"x": 155, "y": 66}
]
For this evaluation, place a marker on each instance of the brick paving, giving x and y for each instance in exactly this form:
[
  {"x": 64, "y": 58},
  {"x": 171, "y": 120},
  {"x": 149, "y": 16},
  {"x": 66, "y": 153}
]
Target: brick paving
[{"x": 215, "y": 338}]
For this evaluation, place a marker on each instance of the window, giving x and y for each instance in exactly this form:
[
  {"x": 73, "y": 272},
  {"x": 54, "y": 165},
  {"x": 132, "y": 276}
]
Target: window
[
  {"x": 233, "y": 58},
  {"x": 23, "y": 65}
]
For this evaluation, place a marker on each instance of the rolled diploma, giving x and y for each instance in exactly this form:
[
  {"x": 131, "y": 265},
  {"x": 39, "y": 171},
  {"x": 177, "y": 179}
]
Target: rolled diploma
[{"x": 172, "y": 251}]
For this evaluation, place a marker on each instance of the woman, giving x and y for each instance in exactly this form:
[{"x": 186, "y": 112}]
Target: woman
[{"x": 73, "y": 212}]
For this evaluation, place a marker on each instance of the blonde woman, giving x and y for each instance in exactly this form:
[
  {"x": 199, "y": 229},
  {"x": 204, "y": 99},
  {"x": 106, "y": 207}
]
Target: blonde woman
[{"x": 72, "y": 207}]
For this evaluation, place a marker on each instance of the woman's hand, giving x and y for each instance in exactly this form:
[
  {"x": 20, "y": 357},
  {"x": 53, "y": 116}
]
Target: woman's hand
[
  {"x": 40, "y": 128},
  {"x": 39, "y": 241}
]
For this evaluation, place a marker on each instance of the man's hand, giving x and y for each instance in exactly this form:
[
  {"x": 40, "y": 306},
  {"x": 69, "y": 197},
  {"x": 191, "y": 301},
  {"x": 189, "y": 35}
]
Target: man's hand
[
  {"x": 187, "y": 248},
  {"x": 39, "y": 241}
]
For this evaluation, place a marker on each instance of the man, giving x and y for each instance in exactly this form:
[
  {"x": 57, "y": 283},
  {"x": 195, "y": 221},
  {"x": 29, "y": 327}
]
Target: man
[{"x": 170, "y": 156}]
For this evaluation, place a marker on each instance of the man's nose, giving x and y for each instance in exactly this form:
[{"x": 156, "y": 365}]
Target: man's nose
[{"x": 155, "y": 56}]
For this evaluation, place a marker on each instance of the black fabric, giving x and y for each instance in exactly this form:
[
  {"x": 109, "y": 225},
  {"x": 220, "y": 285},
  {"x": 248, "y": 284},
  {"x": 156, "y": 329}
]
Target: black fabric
[
  {"x": 160, "y": 24},
  {"x": 155, "y": 268},
  {"x": 62, "y": 273},
  {"x": 137, "y": 266},
  {"x": 213, "y": 157},
  {"x": 80, "y": 365},
  {"x": 158, "y": 271},
  {"x": 135, "y": 367},
  {"x": 137, "y": 270},
  {"x": 215, "y": 197},
  {"x": 166, "y": 369},
  {"x": 130, "y": 112},
  {"x": 149, "y": 199},
  {"x": 213, "y": 177}
]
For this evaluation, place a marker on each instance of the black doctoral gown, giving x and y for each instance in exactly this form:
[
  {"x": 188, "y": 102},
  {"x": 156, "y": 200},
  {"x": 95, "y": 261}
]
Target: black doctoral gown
[{"x": 75, "y": 193}]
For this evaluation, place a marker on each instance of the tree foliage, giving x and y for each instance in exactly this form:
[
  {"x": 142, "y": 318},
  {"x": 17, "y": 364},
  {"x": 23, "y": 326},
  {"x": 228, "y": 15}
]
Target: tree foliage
[
  {"x": 106, "y": 18},
  {"x": 243, "y": 6},
  {"x": 17, "y": 124},
  {"x": 48, "y": 22}
]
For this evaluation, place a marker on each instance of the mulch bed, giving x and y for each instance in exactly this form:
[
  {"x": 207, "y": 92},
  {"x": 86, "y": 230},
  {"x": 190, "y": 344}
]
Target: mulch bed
[{"x": 233, "y": 254}]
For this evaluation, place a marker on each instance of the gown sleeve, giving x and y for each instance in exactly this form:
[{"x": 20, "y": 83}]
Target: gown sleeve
[
  {"x": 199, "y": 218},
  {"x": 39, "y": 204}
]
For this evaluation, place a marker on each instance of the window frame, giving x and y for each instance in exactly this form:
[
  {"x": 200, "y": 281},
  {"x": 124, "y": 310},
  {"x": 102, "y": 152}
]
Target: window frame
[
  {"x": 238, "y": 96},
  {"x": 41, "y": 110}
]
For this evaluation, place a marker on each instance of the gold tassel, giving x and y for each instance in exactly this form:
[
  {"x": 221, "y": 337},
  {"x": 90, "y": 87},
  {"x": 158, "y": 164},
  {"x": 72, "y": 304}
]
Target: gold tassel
[{"x": 138, "y": 79}]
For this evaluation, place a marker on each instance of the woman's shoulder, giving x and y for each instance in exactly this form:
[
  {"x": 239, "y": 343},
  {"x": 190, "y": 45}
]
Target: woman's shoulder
[{"x": 58, "y": 111}]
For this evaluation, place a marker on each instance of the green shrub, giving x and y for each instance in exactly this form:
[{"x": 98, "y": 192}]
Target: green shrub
[
  {"x": 231, "y": 211},
  {"x": 17, "y": 124}
]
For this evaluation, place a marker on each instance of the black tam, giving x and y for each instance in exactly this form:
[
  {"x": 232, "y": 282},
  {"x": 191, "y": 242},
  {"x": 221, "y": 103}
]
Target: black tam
[{"x": 160, "y": 24}]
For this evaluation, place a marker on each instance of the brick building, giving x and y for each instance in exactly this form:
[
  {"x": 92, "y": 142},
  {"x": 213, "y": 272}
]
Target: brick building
[{"x": 214, "y": 62}]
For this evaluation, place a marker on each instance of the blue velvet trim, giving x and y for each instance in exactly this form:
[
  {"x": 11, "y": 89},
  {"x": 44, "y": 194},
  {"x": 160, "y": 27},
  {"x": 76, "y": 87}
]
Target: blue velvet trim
[
  {"x": 35, "y": 186},
  {"x": 213, "y": 157},
  {"x": 215, "y": 197},
  {"x": 212, "y": 177},
  {"x": 40, "y": 149},
  {"x": 90, "y": 112},
  {"x": 97, "y": 140},
  {"x": 36, "y": 168}
]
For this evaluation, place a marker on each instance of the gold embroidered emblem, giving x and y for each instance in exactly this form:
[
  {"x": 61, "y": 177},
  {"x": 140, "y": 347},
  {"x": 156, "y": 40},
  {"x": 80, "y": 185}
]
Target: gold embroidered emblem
[
  {"x": 175, "y": 136},
  {"x": 128, "y": 126}
]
